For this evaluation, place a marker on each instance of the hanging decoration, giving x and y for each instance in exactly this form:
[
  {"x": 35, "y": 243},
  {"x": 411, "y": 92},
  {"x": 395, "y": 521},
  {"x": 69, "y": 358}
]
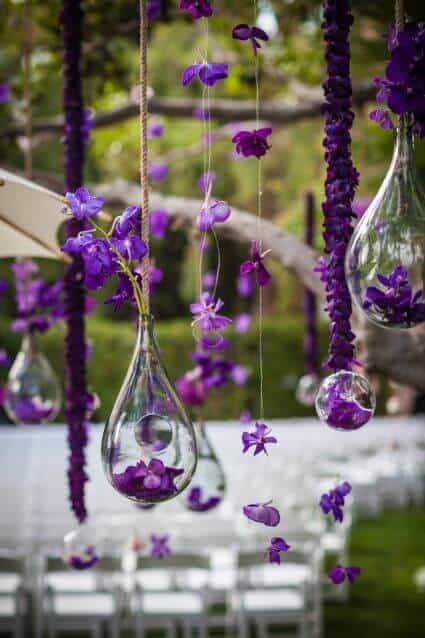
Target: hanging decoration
[
  {"x": 345, "y": 400},
  {"x": 385, "y": 263},
  {"x": 309, "y": 383}
]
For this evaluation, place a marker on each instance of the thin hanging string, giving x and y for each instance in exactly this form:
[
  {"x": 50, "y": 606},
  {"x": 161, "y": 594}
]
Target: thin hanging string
[
  {"x": 399, "y": 15},
  {"x": 27, "y": 51},
  {"x": 144, "y": 151}
]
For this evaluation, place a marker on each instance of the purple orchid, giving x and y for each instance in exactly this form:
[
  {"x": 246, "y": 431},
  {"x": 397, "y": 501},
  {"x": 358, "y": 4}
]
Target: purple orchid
[
  {"x": 157, "y": 171},
  {"x": 253, "y": 34},
  {"x": 334, "y": 500},
  {"x": 277, "y": 545},
  {"x": 124, "y": 293},
  {"x": 262, "y": 513},
  {"x": 255, "y": 264},
  {"x": 206, "y": 316},
  {"x": 131, "y": 248},
  {"x": 209, "y": 373},
  {"x": 153, "y": 482},
  {"x": 195, "y": 502},
  {"x": 338, "y": 574},
  {"x": 395, "y": 302},
  {"x": 252, "y": 143},
  {"x": 209, "y": 73},
  {"x": 197, "y": 8},
  {"x": 213, "y": 212},
  {"x": 87, "y": 560},
  {"x": 158, "y": 222},
  {"x": 156, "y": 129},
  {"x": 82, "y": 204},
  {"x": 242, "y": 322},
  {"x": 258, "y": 438},
  {"x": 159, "y": 546},
  {"x": 245, "y": 285},
  {"x": 99, "y": 260}
]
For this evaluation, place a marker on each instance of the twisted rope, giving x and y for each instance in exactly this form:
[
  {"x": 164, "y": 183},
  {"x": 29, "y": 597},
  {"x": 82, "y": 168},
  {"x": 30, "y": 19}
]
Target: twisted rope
[
  {"x": 144, "y": 150},
  {"x": 399, "y": 15}
]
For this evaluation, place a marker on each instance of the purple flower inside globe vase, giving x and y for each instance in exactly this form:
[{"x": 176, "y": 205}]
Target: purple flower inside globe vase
[{"x": 345, "y": 401}]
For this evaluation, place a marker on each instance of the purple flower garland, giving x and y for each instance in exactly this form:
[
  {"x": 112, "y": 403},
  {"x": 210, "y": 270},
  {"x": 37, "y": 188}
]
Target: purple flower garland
[
  {"x": 341, "y": 181},
  {"x": 75, "y": 344}
]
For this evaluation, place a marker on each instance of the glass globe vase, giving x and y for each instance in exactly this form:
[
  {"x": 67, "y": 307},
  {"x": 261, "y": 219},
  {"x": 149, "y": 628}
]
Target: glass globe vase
[
  {"x": 385, "y": 266},
  {"x": 32, "y": 391},
  {"x": 345, "y": 401},
  {"x": 149, "y": 449}
]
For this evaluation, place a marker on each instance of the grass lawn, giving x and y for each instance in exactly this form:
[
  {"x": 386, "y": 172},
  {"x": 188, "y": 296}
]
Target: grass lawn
[{"x": 384, "y": 602}]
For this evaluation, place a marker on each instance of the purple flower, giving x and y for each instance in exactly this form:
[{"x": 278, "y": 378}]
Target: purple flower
[
  {"x": 197, "y": 8},
  {"x": 99, "y": 260},
  {"x": 124, "y": 293},
  {"x": 83, "y": 204},
  {"x": 252, "y": 143},
  {"x": 343, "y": 411},
  {"x": 382, "y": 117},
  {"x": 213, "y": 212},
  {"x": 157, "y": 171},
  {"x": 206, "y": 315},
  {"x": 245, "y": 285},
  {"x": 156, "y": 275},
  {"x": 125, "y": 223},
  {"x": 206, "y": 181},
  {"x": 209, "y": 73},
  {"x": 277, "y": 545},
  {"x": 33, "y": 411},
  {"x": 192, "y": 388},
  {"x": 156, "y": 129},
  {"x": 258, "y": 438},
  {"x": 395, "y": 302},
  {"x": 152, "y": 482},
  {"x": 131, "y": 248},
  {"x": 159, "y": 546},
  {"x": 255, "y": 264},
  {"x": 242, "y": 322},
  {"x": 154, "y": 10},
  {"x": 245, "y": 32},
  {"x": 158, "y": 222},
  {"x": 239, "y": 374},
  {"x": 245, "y": 417},
  {"x": 4, "y": 358},
  {"x": 4, "y": 92},
  {"x": 24, "y": 268},
  {"x": 195, "y": 502},
  {"x": 208, "y": 280},
  {"x": 338, "y": 574},
  {"x": 334, "y": 500},
  {"x": 262, "y": 513},
  {"x": 88, "y": 559}
]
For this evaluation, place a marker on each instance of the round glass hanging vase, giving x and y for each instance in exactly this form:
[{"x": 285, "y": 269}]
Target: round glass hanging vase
[
  {"x": 32, "y": 391},
  {"x": 208, "y": 485},
  {"x": 149, "y": 449},
  {"x": 385, "y": 265}
]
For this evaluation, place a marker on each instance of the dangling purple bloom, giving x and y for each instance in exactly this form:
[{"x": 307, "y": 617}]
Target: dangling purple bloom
[
  {"x": 206, "y": 181},
  {"x": 197, "y": 8},
  {"x": 213, "y": 212},
  {"x": 239, "y": 375},
  {"x": 245, "y": 285},
  {"x": 191, "y": 388},
  {"x": 245, "y": 32},
  {"x": 152, "y": 482},
  {"x": 83, "y": 204},
  {"x": 255, "y": 264},
  {"x": 205, "y": 314},
  {"x": 195, "y": 502},
  {"x": 209, "y": 73},
  {"x": 99, "y": 261},
  {"x": 125, "y": 223},
  {"x": 258, "y": 438},
  {"x": 131, "y": 248},
  {"x": 338, "y": 574},
  {"x": 334, "y": 501},
  {"x": 277, "y": 545},
  {"x": 156, "y": 129},
  {"x": 158, "y": 222},
  {"x": 4, "y": 92},
  {"x": 33, "y": 411},
  {"x": 252, "y": 143},
  {"x": 153, "y": 10},
  {"x": 157, "y": 171},
  {"x": 159, "y": 546},
  {"x": 242, "y": 322},
  {"x": 262, "y": 513}
]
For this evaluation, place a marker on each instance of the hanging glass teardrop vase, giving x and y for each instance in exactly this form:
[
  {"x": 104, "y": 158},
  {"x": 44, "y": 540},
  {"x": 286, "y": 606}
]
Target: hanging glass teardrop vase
[
  {"x": 385, "y": 261},
  {"x": 148, "y": 448},
  {"x": 208, "y": 486},
  {"x": 32, "y": 392}
]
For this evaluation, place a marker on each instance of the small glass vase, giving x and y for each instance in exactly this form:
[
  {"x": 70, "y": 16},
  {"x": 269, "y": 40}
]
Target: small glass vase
[
  {"x": 149, "y": 448},
  {"x": 32, "y": 391}
]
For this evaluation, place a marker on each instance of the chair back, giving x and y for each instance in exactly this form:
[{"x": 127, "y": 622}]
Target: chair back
[
  {"x": 10, "y": 564},
  {"x": 175, "y": 561},
  {"x": 107, "y": 563}
]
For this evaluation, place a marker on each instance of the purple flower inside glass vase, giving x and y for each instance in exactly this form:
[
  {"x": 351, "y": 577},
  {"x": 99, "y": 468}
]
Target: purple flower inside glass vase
[
  {"x": 345, "y": 401},
  {"x": 152, "y": 482},
  {"x": 197, "y": 503}
]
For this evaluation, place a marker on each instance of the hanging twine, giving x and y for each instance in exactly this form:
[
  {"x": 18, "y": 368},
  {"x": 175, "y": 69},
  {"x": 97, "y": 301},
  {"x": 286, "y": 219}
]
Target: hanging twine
[
  {"x": 399, "y": 15},
  {"x": 27, "y": 50},
  {"x": 144, "y": 150}
]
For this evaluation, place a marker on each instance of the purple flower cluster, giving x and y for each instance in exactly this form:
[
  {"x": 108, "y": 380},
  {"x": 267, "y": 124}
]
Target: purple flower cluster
[
  {"x": 197, "y": 8},
  {"x": 338, "y": 574},
  {"x": 255, "y": 265},
  {"x": 258, "y": 438},
  {"x": 252, "y": 34},
  {"x": 262, "y": 513},
  {"x": 152, "y": 482},
  {"x": 39, "y": 305},
  {"x": 277, "y": 545},
  {"x": 160, "y": 546},
  {"x": 252, "y": 143},
  {"x": 209, "y": 73},
  {"x": 395, "y": 302},
  {"x": 341, "y": 180},
  {"x": 334, "y": 500},
  {"x": 402, "y": 87},
  {"x": 33, "y": 411},
  {"x": 197, "y": 503}
]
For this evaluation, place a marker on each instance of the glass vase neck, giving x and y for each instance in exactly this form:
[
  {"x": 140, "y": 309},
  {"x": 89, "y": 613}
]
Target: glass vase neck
[
  {"x": 404, "y": 147},
  {"x": 29, "y": 343}
]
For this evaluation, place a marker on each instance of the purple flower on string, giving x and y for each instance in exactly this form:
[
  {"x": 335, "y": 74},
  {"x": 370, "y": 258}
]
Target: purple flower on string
[
  {"x": 160, "y": 546},
  {"x": 192, "y": 388},
  {"x": 245, "y": 285},
  {"x": 124, "y": 293},
  {"x": 205, "y": 313},
  {"x": 239, "y": 374},
  {"x": 157, "y": 171},
  {"x": 153, "y": 10},
  {"x": 242, "y": 322},
  {"x": 206, "y": 181},
  {"x": 255, "y": 264},
  {"x": 158, "y": 222},
  {"x": 152, "y": 482},
  {"x": 88, "y": 559},
  {"x": 131, "y": 248},
  {"x": 196, "y": 503},
  {"x": 209, "y": 73},
  {"x": 126, "y": 222},
  {"x": 83, "y": 204},
  {"x": 338, "y": 574},
  {"x": 395, "y": 301},
  {"x": 4, "y": 92},
  {"x": 262, "y": 513},
  {"x": 277, "y": 545},
  {"x": 197, "y": 8},
  {"x": 258, "y": 438},
  {"x": 252, "y": 143},
  {"x": 253, "y": 34},
  {"x": 334, "y": 500},
  {"x": 99, "y": 261},
  {"x": 213, "y": 212},
  {"x": 156, "y": 129}
]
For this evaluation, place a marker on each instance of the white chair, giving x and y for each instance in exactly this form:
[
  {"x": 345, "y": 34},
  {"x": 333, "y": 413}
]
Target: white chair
[
  {"x": 13, "y": 597},
  {"x": 171, "y": 606}
]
